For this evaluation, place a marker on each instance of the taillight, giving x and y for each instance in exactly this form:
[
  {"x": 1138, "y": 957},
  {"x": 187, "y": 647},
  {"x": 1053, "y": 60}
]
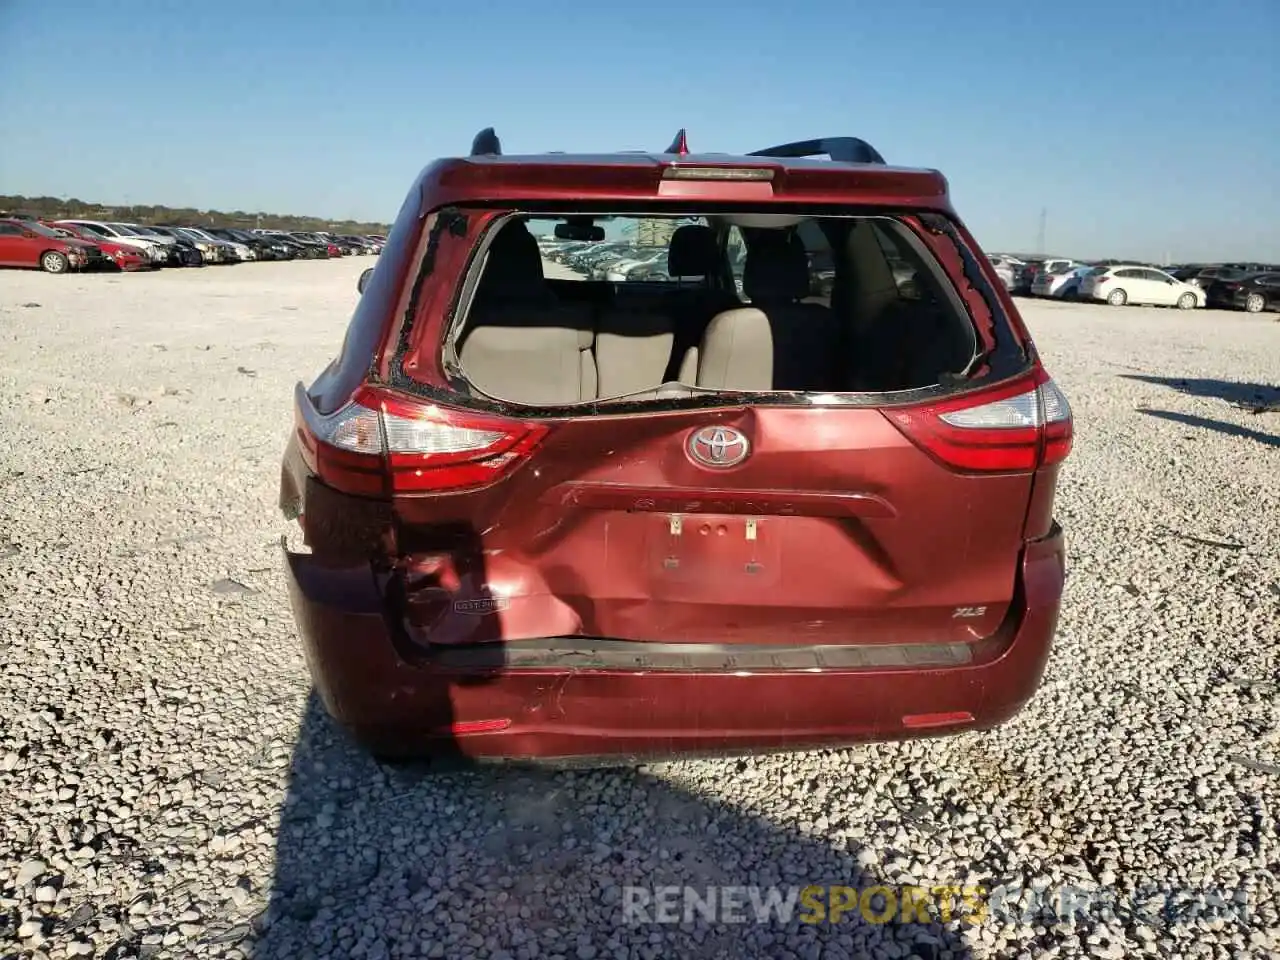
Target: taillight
[
  {"x": 1019, "y": 426},
  {"x": 1102, "y": 279},
  {"x": 383, "y": 444}
]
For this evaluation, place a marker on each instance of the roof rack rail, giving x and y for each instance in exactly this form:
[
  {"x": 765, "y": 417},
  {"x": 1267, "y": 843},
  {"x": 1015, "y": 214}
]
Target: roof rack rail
[
  {"x": 841, "y": 149},
  {"x": 486, "y": 143}
]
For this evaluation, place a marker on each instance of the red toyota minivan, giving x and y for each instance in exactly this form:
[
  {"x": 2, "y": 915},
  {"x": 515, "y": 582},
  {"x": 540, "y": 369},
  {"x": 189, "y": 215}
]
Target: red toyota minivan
[{"x": 784, "y": 479}]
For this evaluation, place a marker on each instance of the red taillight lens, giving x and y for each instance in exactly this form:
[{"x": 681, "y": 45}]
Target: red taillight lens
[
  {"x": 1019, "y": 426},
  {"x": 1102, "y": 279},
  {"x": 383, "y": 444}
]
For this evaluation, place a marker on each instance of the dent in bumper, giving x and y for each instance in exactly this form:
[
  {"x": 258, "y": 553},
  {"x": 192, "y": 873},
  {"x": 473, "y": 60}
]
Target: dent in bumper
[{"x": 400, "y": 704}]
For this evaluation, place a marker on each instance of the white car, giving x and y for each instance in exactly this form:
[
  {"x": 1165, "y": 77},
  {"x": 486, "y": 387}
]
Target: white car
[
  {"x": 143, "y": 233},
  {"x": 1005, "y": 270},
  {"x": 113, "y": 232},
  {"x": 1123, "y": 284}
]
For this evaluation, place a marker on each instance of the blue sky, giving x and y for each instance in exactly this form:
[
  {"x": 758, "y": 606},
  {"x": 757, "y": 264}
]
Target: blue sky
[{"x": 1143, "y": 127}]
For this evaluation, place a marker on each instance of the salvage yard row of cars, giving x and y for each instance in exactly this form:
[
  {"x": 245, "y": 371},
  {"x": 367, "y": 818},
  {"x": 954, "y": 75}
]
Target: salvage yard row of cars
[
  {"x": 1252, "y": 287},
  {"x": 62, "y": 246}
]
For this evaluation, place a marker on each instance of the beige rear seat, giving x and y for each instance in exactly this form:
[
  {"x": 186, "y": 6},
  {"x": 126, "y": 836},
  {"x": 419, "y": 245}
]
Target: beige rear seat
[
  {"x": 693, "y": 252},
  {"x": 633, "y": 346},
  {"x": 776, "y": 343},
  {"x": 522, "y": 344}
]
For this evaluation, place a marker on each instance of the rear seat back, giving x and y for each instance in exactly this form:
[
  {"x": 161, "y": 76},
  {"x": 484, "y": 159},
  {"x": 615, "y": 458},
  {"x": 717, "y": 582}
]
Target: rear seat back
[
  {"x": 633, "y": 347},
  {"x": 693, "y": 252},
  {"x": 523, "y": 344},
  {"x": 777, "y": 342}
]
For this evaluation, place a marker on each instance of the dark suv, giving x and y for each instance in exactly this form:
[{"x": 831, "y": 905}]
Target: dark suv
[{"x": 547, "y": 516}]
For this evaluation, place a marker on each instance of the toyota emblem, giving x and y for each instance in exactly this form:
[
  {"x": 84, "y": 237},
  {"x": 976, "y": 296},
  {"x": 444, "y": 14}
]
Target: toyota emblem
[{"x": 718, "y": 447}]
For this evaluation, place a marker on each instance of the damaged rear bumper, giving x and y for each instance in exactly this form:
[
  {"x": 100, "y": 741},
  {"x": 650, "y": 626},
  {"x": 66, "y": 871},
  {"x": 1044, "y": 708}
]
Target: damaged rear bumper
[{"x": 574, "y": 697}]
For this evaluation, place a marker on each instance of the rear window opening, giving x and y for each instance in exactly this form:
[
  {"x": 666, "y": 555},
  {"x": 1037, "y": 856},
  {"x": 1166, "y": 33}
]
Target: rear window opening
[{"x": 566, "y": 310}]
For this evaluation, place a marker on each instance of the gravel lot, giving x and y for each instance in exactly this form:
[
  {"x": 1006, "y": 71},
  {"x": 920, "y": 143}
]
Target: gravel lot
[{"x": 168, "y": 789}]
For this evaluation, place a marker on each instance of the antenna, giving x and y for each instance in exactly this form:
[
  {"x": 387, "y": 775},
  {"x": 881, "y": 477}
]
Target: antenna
[
  {"x": 680, "y": 145},
  {"x": 486, "y": 143}
]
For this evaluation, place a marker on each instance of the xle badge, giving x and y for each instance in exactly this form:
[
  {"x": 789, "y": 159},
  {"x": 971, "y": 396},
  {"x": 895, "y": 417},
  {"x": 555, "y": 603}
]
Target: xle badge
[{"x": 962, "y": 612}]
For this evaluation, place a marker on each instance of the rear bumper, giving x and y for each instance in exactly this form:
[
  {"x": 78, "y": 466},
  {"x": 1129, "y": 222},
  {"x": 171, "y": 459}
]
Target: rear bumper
[{"x": 511, "y": 707}]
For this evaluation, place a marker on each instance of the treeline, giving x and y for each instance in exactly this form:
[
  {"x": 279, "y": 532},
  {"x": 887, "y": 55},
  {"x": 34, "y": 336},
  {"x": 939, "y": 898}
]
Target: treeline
[{"x": 54, "y": 208}]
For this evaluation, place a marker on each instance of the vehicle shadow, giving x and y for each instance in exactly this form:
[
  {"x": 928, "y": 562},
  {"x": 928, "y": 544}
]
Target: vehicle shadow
[
  {"x": 1220, "y": 426},
  {"x": 447, "y": 859},
  {"x": 522, "y": 862},
  {"x": 1240, "y": 394}
]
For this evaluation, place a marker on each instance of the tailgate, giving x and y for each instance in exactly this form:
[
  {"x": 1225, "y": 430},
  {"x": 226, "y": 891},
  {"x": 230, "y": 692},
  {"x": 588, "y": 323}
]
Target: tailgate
[{"x": 783, "y": 525}]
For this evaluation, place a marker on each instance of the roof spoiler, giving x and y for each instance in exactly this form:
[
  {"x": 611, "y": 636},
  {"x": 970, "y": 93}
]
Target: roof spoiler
[{"x": 840, "y": 149}]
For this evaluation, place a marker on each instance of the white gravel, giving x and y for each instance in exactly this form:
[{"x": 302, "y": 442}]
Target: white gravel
[{"x": 165, "y": 789}]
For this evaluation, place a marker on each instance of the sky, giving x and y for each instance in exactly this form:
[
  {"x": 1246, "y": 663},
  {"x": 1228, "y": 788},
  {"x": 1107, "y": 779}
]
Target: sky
[{"x": 1136, "y": 128}]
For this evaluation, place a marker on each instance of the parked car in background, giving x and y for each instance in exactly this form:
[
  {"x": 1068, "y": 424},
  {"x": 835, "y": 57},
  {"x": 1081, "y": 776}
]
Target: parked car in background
[
  {"x": 1026, "y": 276},
  {"x": 262, "y": 247},
  {"x": 1051, "y": 280},
  {"x": 326, "y": 247},
  {"x": 1120, "y": 285},
  {"x": 1219, "y": 285},
  {"x": 31, "y": 244},
  {"x": 1216, "y": 271},
  {"x": 1256, "y": 292},
  {"x": 1006, "y": 270},
  {"x": 122, "y": 256},
  {"x": 276, "y": 247},
  {"x": 363, "y": 245},
  {"x": 1066, "y": 285},
  {"x": 350, "y": 246},
  {"x": 1187, "y": 272},
  {"x": 560, "y": 252},
  {"x": 1207, "y": 275},
  {"x": 1252, "y": 267},
  {"x": 157, "y": 251},
  {"x": 620, "y": 270},
  {"x": 234, "y": 251},
  {"x": 1031, "y": 270},
  {"x": 302, "y": 250},
  {"x": 310, "y": 250},
  {"x": 214, "y": 250},
  {"x": 182, "y": 249}
]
